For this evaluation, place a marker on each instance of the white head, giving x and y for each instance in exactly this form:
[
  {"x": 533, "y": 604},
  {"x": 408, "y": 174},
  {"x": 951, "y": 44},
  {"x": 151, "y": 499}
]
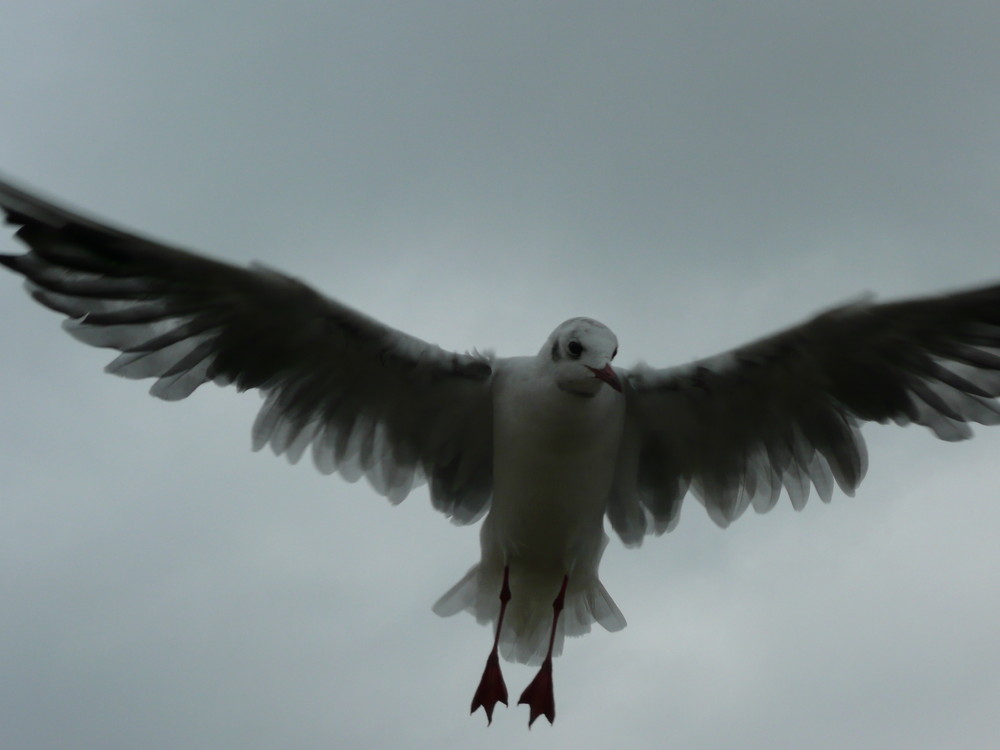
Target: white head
[{"x": 580, "y": 352}]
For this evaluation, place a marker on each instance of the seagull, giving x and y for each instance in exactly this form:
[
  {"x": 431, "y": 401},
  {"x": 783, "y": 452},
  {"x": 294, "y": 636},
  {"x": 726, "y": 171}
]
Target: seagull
[{"x": 542, "y": 448}]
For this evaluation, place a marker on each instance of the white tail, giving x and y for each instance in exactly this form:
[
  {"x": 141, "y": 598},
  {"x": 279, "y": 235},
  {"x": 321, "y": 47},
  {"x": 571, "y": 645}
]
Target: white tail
[{"x": 528, "y": 620}]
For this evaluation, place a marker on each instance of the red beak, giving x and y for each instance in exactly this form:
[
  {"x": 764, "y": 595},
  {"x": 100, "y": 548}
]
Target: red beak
[{"x": 607, "y": 375}]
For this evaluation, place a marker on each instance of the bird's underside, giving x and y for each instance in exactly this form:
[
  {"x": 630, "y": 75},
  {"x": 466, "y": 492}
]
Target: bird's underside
[{"x": 545, "y": 446}]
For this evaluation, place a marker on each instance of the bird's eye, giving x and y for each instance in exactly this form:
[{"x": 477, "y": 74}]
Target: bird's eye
[
  {"x": 575, "y": 349},
  {"x": 614, "y": 353}
]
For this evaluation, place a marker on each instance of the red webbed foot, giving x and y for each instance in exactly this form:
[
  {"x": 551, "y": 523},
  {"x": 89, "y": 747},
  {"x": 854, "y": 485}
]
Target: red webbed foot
[
  {"x": 539, "y": 696},
  {"x": 491, "y": 690}
]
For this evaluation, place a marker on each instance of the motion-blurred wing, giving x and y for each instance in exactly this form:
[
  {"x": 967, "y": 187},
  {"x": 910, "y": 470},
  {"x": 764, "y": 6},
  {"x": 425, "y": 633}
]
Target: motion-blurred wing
[
  {"x": 367, "y": 399},
  {"x": 784, "y": 412}
]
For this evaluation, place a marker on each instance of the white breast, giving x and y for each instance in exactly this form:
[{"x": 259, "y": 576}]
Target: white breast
[{"x": 553, "y": 464}]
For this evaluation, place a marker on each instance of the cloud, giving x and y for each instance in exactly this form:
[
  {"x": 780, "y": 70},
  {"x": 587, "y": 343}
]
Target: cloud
[{"x": 695, "y": 177}]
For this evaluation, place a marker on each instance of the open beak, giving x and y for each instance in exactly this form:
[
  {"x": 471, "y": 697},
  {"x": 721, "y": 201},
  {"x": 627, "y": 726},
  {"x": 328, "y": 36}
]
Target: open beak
[{"x": 607, "y": 375}]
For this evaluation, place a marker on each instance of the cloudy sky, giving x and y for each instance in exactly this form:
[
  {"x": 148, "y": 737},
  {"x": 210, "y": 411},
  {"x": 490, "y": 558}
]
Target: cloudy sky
[{"x": 693, "y": 174}]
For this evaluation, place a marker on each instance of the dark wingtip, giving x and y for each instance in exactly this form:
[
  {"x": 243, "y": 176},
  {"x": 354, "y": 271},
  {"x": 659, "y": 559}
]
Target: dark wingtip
[{"x": 13, "y": 262}]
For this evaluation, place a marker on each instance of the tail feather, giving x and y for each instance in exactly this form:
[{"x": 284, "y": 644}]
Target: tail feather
[{"x": 528, "y": 621}]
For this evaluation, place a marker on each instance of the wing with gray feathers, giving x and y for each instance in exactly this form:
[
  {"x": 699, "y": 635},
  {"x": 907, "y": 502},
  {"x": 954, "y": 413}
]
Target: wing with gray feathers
[
  {"x": 784, "y": 412},
  {"x": 367, "y": 399}
]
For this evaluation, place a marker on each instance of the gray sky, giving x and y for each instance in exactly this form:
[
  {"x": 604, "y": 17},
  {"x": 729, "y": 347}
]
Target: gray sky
[{"x": 693, "y": 174}]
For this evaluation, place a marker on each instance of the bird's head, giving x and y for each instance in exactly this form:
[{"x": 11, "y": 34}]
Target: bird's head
[{"x": 579, "y": 352}]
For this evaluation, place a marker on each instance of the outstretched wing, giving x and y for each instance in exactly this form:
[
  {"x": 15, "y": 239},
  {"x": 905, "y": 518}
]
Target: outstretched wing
[
  {"x": 784, "y": 412},
  {"x": 367, "y": 399}
]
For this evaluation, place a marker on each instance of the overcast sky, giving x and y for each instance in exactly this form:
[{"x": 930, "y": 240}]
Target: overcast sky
[{"x": 692, "y": 174}]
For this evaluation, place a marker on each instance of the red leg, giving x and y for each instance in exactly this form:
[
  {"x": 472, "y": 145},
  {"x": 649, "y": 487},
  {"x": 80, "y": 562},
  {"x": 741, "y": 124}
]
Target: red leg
[
  {"x": 538, "y": 695},
  {"x": 492, "y": 689}
]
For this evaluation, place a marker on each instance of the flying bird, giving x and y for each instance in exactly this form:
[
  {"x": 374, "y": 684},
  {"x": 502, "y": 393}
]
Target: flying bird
[{"x": 542, "y": 448}]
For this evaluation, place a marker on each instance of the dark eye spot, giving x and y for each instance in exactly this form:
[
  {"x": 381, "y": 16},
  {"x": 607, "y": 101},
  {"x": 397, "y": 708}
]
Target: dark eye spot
[
  {"x": 575, "y": 349},
  {"x": 614, "y": 353}
]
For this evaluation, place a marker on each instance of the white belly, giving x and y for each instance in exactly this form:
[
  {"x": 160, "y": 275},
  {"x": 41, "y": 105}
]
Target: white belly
[
  {"x": 553, "y": 466},
  {"x": 554, "y": 458}
]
